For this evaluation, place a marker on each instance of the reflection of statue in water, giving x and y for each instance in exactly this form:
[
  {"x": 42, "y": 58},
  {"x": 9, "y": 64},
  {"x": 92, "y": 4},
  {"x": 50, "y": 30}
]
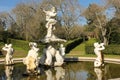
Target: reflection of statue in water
[
  {"x": 50, "y": 26},
  {"x": 101, "y": 72},
  {"x": 49, "y": 75},
  {"x": 60, "y": 73},
  {"x": 99, "y": 62},
  {"x": 8, "y": 58},
  {"x": 31, "y": 61},
  {"x": 9, "y": 72}
]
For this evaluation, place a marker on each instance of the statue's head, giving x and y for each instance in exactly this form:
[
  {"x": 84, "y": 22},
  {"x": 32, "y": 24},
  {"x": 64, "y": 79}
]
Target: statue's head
[
  {"x": 31, "y": 44},
  {"x": 7, "y": 47},
  {"x": 61, "y": 45},
  {"x": 96, "y": 45},
  {"x": 53, "y": 9}
]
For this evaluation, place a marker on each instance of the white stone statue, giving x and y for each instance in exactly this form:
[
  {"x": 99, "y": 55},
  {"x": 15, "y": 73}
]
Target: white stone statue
[
  {"x": 9, "y": 57},
  {"x": 62, "y": 50},
  {"x": 50, "y": 26},
  {"x": 100, "y": 58},
  {"x": 9, "y": 72},
  {"x": 31, "y": 60},
  {"x": 51, "y": 52}
]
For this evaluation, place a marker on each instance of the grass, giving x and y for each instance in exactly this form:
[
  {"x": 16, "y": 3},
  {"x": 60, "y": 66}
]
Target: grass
[{"x": 78, "y": 51}]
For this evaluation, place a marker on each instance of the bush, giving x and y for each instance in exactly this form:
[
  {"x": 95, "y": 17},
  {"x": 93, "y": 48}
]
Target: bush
[
  {"x": 19, "y": 44},
  {"x": 110, "y": 49},
  {"x": 72, "y": 44},
  {"x": 89, "y": 48}
]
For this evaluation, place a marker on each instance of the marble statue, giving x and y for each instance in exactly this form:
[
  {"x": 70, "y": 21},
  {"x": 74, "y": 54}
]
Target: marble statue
[
  {"x": 9, "y": 57},
  {"x": 62, "y": 50},
  {"x": 52, "y": 56},
  {"x": 50, "y": 26},
  {"x": 99, "y": 62},
  {"x": 51, "y": 52},
  {"x": 31, "y": 60},
  {"x": 9, "y": 72}
]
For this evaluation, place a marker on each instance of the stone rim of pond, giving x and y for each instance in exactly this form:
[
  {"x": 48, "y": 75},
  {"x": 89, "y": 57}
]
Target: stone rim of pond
[{"x": 67, "y": 59}]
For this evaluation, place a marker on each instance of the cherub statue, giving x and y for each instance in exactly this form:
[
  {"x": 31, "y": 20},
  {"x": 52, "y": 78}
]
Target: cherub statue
[
  {"x": 31, "y": 60},
  {"x": 100, "y": 58},
  {"x": 9, "y": 57}
]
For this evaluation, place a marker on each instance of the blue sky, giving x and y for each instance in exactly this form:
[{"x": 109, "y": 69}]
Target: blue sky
[{"x": 7, "y": 5}]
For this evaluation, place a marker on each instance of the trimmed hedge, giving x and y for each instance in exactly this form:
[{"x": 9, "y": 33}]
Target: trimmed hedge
[
  {"x": 110, "y": 49},
  {"x": 73, "y": 44}
]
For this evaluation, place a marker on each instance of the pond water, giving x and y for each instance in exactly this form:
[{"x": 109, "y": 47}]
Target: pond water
[{"x": 70, "y": 71}]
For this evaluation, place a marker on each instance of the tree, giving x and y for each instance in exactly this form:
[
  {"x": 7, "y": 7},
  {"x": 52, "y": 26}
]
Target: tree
[
  {"x": 96, "y": 18},
  {"x": 30, "y": 19},
  {"x": 113, "y": 32},
  {"x": 114, "y": 4}
]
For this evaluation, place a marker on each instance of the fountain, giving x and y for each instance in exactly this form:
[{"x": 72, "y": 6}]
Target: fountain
[
  {"x": 49, "y": 66},
  {"x": 51, "y": 56}
]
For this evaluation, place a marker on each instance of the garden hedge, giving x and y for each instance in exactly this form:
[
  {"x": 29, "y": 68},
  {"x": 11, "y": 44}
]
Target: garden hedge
[
  {"x": 110, "y": 49},
  {"x": 73, "y": 44}
]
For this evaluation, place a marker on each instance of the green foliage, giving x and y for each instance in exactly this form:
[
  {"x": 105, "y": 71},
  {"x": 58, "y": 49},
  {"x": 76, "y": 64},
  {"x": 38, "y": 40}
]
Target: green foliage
[
  {"x": 23, "y": 45},
  {"x": 73, "y": 44},
  {"x": 110, "y": 49},
  {"x": 19, "y": 44},
  {"x": 89, "y": 46}
]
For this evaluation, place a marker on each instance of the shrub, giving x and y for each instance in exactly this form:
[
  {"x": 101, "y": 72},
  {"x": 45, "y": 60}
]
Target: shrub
[
  {"x": 110, "y": 49},
  {"x": 73, "y": 44},
  {"x": 20, "y": 44},
  {"x": 89, "y": 48}
]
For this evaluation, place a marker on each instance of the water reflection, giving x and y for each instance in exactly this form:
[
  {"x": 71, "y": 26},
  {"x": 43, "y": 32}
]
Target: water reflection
[
  {"x": 100, "y": 73},
  {"x": 9, "y": 72},
  {"x": 71, "y": 71}
]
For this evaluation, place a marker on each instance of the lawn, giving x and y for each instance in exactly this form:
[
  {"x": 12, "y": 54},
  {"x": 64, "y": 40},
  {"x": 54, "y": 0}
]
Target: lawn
[{"x": 78, "y": 51}]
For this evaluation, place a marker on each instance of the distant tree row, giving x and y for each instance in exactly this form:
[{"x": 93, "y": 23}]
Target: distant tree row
[{"x": 27, "y": 20}]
